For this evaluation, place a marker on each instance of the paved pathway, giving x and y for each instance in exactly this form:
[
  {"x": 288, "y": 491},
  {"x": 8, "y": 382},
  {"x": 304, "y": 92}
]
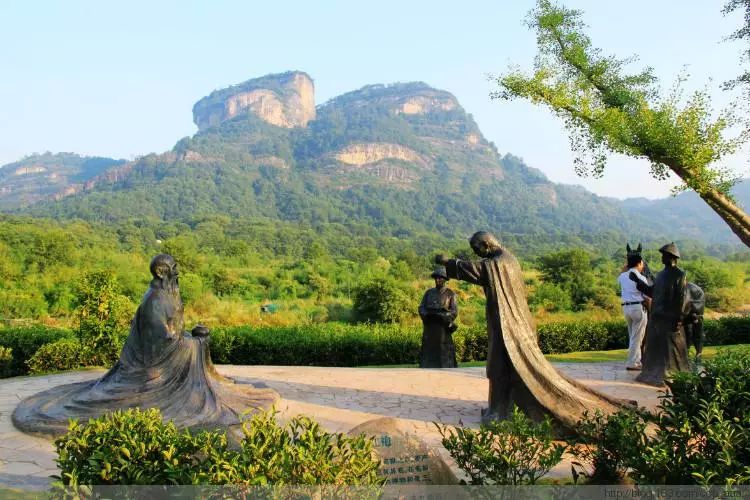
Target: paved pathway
[{"x": 339, "y": 398}]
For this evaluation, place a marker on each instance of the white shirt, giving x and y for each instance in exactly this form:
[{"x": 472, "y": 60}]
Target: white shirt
[{"x": 629, "y": 292}]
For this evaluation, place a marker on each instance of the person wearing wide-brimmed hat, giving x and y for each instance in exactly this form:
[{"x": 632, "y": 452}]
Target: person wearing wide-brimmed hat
[
  {"x": 666, "y": 347},
  {"x": 438, "y": 310}
]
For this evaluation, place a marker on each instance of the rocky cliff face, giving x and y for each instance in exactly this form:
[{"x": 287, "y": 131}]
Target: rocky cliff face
[
  {"x": 286, "y": 100},
  {"x": 363, "y": 154}
]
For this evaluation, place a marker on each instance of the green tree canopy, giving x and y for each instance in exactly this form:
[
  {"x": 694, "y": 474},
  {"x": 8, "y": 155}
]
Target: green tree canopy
[
  {"x": 743, "y": 33},
  {"x": 606, "y": 109}
]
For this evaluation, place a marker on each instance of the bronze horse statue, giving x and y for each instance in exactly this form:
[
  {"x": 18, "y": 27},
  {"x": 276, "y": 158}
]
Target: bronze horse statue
[{"x": 695, "y": 304}]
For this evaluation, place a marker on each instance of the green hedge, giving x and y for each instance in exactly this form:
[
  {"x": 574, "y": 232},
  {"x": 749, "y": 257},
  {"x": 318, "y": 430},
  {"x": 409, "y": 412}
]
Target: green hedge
[
  {"x": 341, "y": 344},
  {"x": 728, "y": 330},
  {"x": 25, "y": 341},
  {"x": 333, "y": 344},
  {"x": 328, "y": 344}
]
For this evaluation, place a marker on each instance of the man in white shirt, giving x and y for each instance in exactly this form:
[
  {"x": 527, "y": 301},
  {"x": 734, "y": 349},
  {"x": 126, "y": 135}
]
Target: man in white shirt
[{"x": 632, "y": 308}]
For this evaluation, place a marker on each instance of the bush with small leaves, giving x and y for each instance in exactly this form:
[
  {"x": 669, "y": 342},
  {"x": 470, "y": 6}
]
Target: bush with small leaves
[
  {"x": 602, "y": 444},
  {"x": 6, "y": 361},
  {"x": 383, "y": 301},
  {"x": 103, "y": 316},
  {"x": 135, "y": 447},
  {"x": 65, "y": 354},
  {"x": 25, "y": 341},
  {"x": 303, "y": 453},
  {"x": 703, "y": 434},
  {"x": 700, "y": 436},
  {"x": 513, "y": 451}
]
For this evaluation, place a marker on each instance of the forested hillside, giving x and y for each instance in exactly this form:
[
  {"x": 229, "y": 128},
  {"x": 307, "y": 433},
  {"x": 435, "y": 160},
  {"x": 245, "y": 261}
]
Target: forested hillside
[
  {"x": 690, "y": 215},
  {"x": 274, "y": 200},
  {"x": 400, "y": 160},
  {"x": 41, "y": 176}
]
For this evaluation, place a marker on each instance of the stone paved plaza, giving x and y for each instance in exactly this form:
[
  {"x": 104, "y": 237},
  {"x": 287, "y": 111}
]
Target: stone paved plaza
[{"x": 339, "y": 398}]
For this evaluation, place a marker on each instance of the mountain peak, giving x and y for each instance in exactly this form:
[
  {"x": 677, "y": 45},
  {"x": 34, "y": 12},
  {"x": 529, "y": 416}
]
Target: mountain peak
[
  {"x": 409, "y": 98},
  {"x": 285, "y": 100}
]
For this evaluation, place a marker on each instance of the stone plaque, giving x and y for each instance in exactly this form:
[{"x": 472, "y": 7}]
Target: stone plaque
[{"x": 405, "y": 457}]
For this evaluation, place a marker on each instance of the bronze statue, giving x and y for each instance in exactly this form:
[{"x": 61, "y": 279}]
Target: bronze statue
[
  {"x": 693, "y": 324},
  {"x": 160, "y": 366},
  {"x": 517, "y": 370},
  {"x": 694, "y": 334},
  {"x": 438, "y": 310},
  {"x": 666, "y": 346}
]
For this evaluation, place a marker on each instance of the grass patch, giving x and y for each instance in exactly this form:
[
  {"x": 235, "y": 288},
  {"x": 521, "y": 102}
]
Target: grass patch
[{"x": 589, "y": 356}]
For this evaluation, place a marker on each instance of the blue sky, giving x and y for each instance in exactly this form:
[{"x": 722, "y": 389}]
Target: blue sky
[{"x": 119, "y": 78}]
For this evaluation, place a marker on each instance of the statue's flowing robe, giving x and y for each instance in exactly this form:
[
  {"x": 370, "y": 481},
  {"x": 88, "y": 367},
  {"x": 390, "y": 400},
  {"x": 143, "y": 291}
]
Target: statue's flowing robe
[
  {"x": 514, "y": 356},
  {"x": 438, "y": 310},
  {"x": 160, "y": 366},
  {"x": 666, "y": 346}
]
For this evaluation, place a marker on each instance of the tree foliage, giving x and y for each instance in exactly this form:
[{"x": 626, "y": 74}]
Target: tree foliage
[
  {"x": 382, "y": 301},
  {"x": 103, "y": 314},
  {"x": 606, "y": 109},
  {"x": 742, "y": 33}
]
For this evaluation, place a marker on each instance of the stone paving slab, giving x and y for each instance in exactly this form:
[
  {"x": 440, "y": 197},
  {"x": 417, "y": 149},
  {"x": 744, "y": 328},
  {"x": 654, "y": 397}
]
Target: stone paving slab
[{"x": 339, "y": 398}]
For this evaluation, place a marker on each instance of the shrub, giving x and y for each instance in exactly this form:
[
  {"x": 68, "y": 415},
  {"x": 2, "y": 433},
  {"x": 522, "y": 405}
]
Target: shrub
[
  {"x": 550, "y": 297},
  {"x": 382, "y": 301},
  {"x": 557, "y": 338},
  {"x": 727, "y": 330},
  {"x": 24, "y": 342},
  {"x": 330, "y": 344},
  {"x": 303, "y": 453},
  {"x": 64, "y": 354},
  {"x": 6, "y": 361},
  {"x": 103, "y": 315},
  {"x": 136, "y": 447},
  {"x": 471, "y": 343},
  {"x": 600, "y": 446},
  {"x": 514, "y": 451},
  {"x": 338, "y": 344},
  {"x": 701, "y": 434}
]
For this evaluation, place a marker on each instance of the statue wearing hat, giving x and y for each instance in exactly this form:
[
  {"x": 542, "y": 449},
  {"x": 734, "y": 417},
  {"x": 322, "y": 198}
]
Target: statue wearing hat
[
  {"x": 438, "y": 310},
  {"x": 666, "y": 346}
]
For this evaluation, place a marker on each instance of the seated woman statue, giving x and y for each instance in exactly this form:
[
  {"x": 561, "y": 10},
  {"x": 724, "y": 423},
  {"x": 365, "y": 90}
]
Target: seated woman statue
[{"x": 160, "y": 366}]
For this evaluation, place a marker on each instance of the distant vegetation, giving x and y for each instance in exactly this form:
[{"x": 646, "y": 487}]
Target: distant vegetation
[
  {"x": 230, "y": 267},
  {"x": 262, "y": 215}
]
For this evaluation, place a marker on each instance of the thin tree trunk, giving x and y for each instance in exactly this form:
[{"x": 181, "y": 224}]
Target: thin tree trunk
[
  {"x": 731, "y": 213},
  {"x": 736, "y": 218}
]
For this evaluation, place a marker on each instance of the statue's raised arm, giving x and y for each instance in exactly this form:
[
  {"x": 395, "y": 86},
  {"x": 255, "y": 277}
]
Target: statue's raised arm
[{"x": 517, "y": 370}]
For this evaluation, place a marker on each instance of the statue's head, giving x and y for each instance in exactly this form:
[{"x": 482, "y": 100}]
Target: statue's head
[
  {"x": 484, "y": 244},
  {"x": 440, "y": 276},
  {"x": 163, "y": 267},
  {"x": 669, "y": 254}
]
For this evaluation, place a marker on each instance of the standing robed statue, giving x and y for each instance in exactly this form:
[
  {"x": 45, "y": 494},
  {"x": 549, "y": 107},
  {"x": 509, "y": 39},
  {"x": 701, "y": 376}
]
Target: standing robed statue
[
  {"x": 666, "y": 346},
  {"x": 438, "y": 311},
  {"x": 517, "y": 370}
]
